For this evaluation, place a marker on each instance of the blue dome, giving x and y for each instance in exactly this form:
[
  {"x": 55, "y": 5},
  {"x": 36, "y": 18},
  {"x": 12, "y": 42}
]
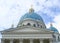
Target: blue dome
[
  {"x": 32, "y": 16},
  {"x": 53, "y": 29}
]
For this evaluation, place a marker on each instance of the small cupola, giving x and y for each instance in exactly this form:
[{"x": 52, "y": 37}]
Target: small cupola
[{"x": 53, "y": 28}]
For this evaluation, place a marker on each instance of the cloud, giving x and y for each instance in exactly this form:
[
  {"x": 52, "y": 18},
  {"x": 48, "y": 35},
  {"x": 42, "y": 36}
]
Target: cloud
[
  {"x": 46, "y": 18},
  {"x": 14, "y": 9},
  {"x": 50, "y": 12},
  {"x": 55, "y": 9},
  {"x": 57, "y": 22},
  {"x": 49, "y": 8}
]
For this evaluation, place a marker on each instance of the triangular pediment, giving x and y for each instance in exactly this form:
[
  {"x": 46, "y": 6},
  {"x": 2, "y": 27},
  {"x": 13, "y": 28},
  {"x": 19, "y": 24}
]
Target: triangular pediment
[{"x": 28, "y": 30}]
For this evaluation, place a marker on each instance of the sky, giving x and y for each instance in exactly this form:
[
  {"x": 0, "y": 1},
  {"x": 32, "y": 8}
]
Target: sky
[{"x": 12, "y": 10}]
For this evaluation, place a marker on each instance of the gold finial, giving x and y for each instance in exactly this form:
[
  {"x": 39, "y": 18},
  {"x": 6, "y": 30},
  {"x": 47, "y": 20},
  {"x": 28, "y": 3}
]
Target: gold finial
[{"x": 31, "y": 9}]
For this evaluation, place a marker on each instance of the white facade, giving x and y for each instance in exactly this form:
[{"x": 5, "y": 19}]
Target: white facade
[{"x": 30, "y": 30}]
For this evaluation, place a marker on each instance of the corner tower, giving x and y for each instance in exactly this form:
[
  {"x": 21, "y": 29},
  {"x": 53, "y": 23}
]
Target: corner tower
[{"x": 53, "y": 28}]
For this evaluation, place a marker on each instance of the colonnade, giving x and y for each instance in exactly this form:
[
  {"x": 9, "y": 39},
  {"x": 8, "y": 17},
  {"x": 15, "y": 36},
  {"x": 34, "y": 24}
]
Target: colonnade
[{"x": 21, "y": 41}]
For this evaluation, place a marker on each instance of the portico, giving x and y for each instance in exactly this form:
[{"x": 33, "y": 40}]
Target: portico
[
  {"x": 24, "y": 36},
  {"x": 26, "y": 41},
  {"x": 30, "y": 29}
]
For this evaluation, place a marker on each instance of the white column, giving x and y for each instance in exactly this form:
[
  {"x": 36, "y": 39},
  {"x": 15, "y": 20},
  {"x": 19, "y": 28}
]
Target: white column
[
  {"x": 20, "y": 41},
  {"x": 41, "y": 41},
  {"x": 11, "y": 40},
  {"x": 51, "y": 41},
  {"x": 2, "y": 40},
  {"x": 31, "y": 40}
]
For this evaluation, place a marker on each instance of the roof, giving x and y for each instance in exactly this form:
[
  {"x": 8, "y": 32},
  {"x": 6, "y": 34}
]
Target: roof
[
  {"x": 33, "y": 16},
  {"x": 53, "y": 29}
]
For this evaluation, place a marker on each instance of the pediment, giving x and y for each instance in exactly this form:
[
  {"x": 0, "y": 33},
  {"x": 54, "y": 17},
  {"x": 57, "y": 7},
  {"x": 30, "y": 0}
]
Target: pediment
[
  {"x": 28, "y": 30},
  {"x": 25, "y": 30}
]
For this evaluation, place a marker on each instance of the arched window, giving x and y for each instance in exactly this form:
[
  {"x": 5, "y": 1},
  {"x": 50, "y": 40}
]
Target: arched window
[
  {"x": 38, "y": 25},
  {"x": 45, "y": 26},
  {"x": 41, "y": 26},
  {"x": 28, "y": 24},
  {"x": 58, "y": 38},
  {"x": 54, "y": 36},
  {"x": 34, "y": 25}
]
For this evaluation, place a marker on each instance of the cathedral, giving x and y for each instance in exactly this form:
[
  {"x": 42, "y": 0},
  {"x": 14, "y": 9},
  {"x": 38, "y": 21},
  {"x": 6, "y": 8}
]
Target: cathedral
[{"x": 30, "y": 29}]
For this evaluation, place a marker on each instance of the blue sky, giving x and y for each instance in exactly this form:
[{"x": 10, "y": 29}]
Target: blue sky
[{"x": 12, "y": 10}]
